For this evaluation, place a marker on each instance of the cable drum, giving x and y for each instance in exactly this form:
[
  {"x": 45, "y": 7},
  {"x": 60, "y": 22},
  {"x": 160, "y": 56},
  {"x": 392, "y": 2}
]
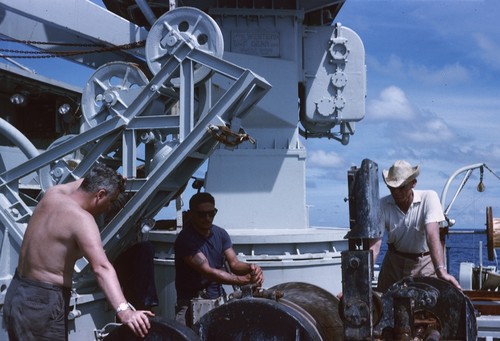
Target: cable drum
[
  {"x": 320, "y": 304},
  {"x": 183, "y": 24},
  {"x": 161, "y": 330},
  {"x": 256, "y": 319}
]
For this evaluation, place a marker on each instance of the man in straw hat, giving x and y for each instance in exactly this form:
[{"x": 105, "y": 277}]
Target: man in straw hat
[{"x": 411, "y": 220}]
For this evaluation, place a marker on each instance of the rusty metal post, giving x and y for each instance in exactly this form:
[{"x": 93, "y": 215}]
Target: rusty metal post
[
  {"x": 357, "y": 264},
  {"x": 403, "y": 318},
  {"x": 364, "y": 203},
  {"x": 357, "y": 301}
]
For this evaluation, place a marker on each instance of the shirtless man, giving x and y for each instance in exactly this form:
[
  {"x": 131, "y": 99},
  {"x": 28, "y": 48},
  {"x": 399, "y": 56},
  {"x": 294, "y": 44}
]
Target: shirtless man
[{"x": 61, "y": 230}]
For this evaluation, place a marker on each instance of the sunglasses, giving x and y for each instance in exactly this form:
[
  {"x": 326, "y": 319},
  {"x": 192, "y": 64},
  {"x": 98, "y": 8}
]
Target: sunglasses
[
  {"x": 401, "y": 188},
  {"x": 203, "y": 214}
]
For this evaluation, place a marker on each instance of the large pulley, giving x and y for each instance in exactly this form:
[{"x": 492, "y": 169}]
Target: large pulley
[
  {"x": 183, "y": 24},
  {"x": 110, "y": 91},
  {"x": 492, "y": 233}
]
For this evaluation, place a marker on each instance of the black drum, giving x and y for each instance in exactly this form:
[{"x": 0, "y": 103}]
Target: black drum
[{"x": 161, "y": 330}]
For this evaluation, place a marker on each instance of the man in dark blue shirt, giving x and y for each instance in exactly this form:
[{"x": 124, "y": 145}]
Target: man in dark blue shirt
[{"x": 201, "y": 249}]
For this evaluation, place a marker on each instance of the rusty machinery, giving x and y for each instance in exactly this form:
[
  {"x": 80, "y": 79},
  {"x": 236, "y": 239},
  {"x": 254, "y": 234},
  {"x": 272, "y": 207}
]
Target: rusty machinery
[{"x": 412, "y": 309}]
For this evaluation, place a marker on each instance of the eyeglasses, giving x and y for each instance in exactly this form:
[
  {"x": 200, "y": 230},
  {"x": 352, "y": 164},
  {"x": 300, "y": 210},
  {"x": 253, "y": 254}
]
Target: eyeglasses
[{"x": 203, "y": 214}]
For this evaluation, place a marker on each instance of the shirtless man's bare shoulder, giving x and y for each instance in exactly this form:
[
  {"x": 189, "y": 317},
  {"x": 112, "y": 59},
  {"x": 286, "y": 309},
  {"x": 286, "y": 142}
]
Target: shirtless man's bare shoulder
[{"x": 59, "y": 220}]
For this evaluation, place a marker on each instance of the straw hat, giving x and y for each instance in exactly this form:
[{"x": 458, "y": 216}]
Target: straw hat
[{"x": 400, "y": 174}]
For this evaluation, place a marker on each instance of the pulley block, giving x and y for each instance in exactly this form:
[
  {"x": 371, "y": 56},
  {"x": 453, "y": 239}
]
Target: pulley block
[{"x": 183, "y": 24}]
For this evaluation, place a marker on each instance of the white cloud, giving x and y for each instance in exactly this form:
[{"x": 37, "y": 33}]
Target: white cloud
[
  {"x": 404, "y": 122},
  {"x": 488, "y": 51},
  {"x": 489, "y": 152},
  {"x": 430, "y": 130},
  {"x": 391, "y": 104},
  {"x": 446, "y": 75},
  {"x": 322, "y": 159},
  {"x": 394, "y": 65}
]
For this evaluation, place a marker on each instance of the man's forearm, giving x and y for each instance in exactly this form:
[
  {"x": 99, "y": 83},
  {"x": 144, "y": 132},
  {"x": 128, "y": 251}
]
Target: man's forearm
[
  {"x": 241, "y": 268},
  {"x": 375, "y": 247},
  {"x": 224, "y": 277},
  {"x": 108, "y": 282},
  {"x": 435, "y": 246}
]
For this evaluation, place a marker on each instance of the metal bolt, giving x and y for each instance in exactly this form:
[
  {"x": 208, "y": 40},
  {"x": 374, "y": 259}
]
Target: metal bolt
[
  {"x": 15, "y": 212},
  {"x": 168, "y": 41},
  {"x": 109, "y": 98},
  {"x": 57, "y": 172}
]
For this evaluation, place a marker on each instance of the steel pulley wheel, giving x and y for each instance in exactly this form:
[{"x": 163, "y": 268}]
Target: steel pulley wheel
[
  {"x": 183, "y": 24},
  {"x": 109, "y": 92}
]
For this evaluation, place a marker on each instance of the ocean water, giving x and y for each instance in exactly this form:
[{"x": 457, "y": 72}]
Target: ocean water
[
  {"x": 461, "y": 246},
  {"x": 467, "y": 247}
]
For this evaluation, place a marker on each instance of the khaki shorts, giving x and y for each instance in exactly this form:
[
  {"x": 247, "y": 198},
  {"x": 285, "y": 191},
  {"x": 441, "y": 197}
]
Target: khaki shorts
[{"x": 395, "y": 268}]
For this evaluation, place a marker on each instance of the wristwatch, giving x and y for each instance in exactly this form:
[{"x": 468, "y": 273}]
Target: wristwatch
[{"x": 123, "y": 306}]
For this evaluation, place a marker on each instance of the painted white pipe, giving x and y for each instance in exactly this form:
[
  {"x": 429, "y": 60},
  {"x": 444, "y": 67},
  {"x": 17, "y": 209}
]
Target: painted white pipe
[{"x": 25, "y": 145}]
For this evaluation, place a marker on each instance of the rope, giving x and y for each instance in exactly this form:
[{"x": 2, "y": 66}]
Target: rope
[
  {"x": 100, "y": 334},
  {"x": 34, "y": 42},
  {"x": 488, "y": 168},
  {"x": 228, "y": 137},
  {"x": 99, "y": 48}
]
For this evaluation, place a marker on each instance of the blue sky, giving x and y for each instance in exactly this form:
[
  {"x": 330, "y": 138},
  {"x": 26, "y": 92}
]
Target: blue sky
[{"x": 433, "y": 98}]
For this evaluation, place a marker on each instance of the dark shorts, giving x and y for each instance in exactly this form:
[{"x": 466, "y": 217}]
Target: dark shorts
[{"x": 35, "y": 310}]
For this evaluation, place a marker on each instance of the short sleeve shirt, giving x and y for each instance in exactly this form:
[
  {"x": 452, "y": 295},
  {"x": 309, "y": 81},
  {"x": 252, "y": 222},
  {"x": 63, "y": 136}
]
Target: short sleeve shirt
[
  {"x": 407, "y": 231},
  {"x": 188, "y": 282}
]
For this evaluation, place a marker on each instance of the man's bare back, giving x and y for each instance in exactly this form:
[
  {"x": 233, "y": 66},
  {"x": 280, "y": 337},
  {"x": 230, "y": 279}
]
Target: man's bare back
[{"x": 53, "y": 223}]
